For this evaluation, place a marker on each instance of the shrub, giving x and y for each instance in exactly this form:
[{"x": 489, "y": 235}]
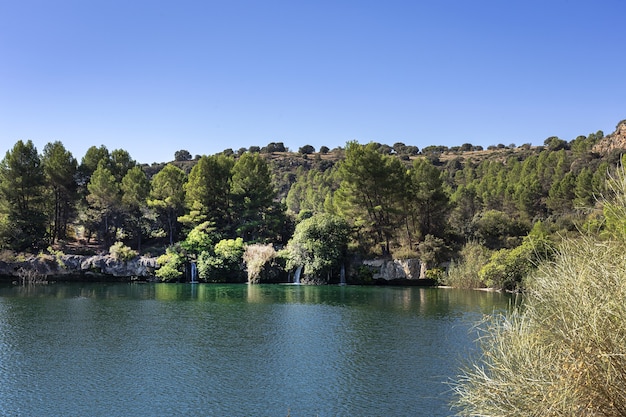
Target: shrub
[
  {"x": 201, "y": 238},
  {"x": 258, "y": 258},
  {"x": 224, "y": 263},
  {"x": 170, "y": 265},
  {"x": 464, "y": 272},
  {"x": 563, "y": 352},
  {"x": 122, "y": 252}
]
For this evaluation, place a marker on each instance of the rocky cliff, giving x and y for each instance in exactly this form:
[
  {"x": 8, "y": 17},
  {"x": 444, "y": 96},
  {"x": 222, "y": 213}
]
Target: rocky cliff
[
  {"x": 616, "y": 140},
  {"x": 66, "y": 266}
]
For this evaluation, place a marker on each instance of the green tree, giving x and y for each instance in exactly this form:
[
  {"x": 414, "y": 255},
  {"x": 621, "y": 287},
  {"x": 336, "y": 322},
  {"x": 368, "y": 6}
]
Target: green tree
[
  {"x": 373, "y": 187},
  {"x": 167, "y": 197},
  {"x": 182, "y": 155},
  {"x": 121, "y": 163},
  {"x": 208, "y": 193},
  {"x": 319, "y": 245},
  {"x": 135, "y": 191},
  {"x": 224, "y": 263},
  {"x": 170, "y": 264},
  {"x": 105, "y": 200},
  {"x": 428, "y": 198},
  {"x": 60, "y": 169},
  {"x": 253, "y": 196},
  {"x": 22, "y": 183}
]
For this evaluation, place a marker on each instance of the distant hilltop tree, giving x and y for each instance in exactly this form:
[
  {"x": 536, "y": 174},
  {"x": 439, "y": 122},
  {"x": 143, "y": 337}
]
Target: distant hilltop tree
[
  {"x": 324, "y": 149},
  {"x": 274, "y": 147},
  {"x": 182, "y": 155},
  {"x": 306, "y": 150}
]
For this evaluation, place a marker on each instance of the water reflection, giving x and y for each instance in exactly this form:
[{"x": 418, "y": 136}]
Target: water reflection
[{"x": 181, "y": 349}]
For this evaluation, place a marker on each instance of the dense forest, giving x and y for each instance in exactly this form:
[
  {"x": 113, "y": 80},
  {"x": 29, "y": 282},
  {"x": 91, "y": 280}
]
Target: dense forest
[{"x": 487, "y": 214}]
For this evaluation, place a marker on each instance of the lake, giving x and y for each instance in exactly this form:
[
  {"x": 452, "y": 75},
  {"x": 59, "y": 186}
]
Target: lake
[{"x": 234, "y": 350}]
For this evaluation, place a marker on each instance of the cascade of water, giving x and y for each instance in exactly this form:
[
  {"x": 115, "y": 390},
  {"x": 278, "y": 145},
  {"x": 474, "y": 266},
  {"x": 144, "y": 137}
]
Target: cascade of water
[
  {"x": 194, "y": 273},
  {"x": 296, "y": 276},
  {"x": 342, "y": 275}
]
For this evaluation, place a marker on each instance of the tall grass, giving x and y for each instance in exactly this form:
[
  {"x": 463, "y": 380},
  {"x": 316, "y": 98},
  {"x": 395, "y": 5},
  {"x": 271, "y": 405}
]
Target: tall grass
[
  {"x": 464, "y": 272},
  {"x": 563, "y": 353}
]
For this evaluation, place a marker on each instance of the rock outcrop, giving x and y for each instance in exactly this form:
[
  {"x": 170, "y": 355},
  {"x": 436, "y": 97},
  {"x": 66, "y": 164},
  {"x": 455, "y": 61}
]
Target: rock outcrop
[
  {"x": 66, "y": 266},
  {"x": 616, "y": 140},
  {"x": 389, "y": 270}
]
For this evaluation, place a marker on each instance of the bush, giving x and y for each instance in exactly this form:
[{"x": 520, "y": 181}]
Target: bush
[
  {"x": 224, "y": 263},
  {"x": 259, "y": 260},
  {"x": 122, "y": 252},
  {"x": 464, "y": 272},
  {"x": 170, "y": 265},
  {"x": 201, "y": 238},
  {"x": 563, "y": 352}
]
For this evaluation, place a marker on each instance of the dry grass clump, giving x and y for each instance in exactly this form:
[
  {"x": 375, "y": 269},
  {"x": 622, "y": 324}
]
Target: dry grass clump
[
  {"x": 256, "y": 257},
  {"x": 563, "y": 353}
]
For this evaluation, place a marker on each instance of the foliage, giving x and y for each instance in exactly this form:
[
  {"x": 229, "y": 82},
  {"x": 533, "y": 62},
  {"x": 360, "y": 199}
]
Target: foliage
[
  {"x": 22, "y": 212},
  {"x": 507, "y": 268},
  {"x": 224, "y": 263},
  {"x": 182, "y": 155},
  {"x": 201, "y": 238},
  {"x": 122, "y": 252},
  {"x": 135, "y": 190},
  {"x": 170, "y": 264},
  {"x": 253, "y": 194},
  {"x": 372, "y": 190},
  {"x": 464, "y": 272},
  {"x": 306, "y": 150},
  {"x": 496, "y": 229},
  {"x": 104, "y": 199},
  {"x": 562, "y": 353},
  {"x": 319, "y": 245},
  {"x": 167, "y": 197},
  {"x": 60, "y": 169},
  {"x": 208, "y": 192}
]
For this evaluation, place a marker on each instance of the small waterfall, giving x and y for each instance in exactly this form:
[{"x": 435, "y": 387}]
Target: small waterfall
[
  {"x": 342, "y": 275},
  {"x": 296, "y": 276},
  {"x": 194, "y": 273}
]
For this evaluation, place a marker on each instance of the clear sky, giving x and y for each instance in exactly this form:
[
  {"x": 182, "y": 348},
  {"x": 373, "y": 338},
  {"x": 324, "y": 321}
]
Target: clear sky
[{"x": 153, "y": 77}]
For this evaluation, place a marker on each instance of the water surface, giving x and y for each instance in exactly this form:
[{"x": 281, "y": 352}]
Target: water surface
[{"x": 236, "y": 350}]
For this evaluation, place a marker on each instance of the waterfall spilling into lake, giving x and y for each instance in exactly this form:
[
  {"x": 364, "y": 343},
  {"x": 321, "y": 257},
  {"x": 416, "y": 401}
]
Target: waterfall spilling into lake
[
  {"x": 342, "y": 275},
  {"x": 296, "y": 276},
  {"x": 194, "y": 273}
]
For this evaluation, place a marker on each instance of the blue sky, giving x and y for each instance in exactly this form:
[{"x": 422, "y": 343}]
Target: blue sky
[{"x": 153, "y": 77}]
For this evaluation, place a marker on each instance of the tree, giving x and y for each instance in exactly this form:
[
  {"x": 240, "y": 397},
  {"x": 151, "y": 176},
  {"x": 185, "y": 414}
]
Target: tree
[
  {"x": 135, "y": 191},
  {"x": 554, "y": 143},
  {"x": 372, "y": 190},
  {"x": 21, "y": 196},
  {"x": 306, "y": 150},
  {"x": 224, "y": 263},
  {"x": 182, "y": 155},
  {"x": 253, "y": 195},
  {"x": 429, "y": 200},
  {"x": 167, "y": 197},
  {"x": 208, "y": 193},
  {"x": 105, "y": 200},
  {"x": 121, "y": 163},
  {"x": 60, "y": 169},
  {"x": 319, "y": 245}
]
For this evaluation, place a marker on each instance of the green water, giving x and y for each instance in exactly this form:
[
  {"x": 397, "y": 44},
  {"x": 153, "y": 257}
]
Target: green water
[{"x": 233, "y": 350}]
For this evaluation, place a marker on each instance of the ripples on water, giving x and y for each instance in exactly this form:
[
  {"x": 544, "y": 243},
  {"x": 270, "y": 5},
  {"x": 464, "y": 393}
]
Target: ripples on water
[{"x": 216, "y": 350}]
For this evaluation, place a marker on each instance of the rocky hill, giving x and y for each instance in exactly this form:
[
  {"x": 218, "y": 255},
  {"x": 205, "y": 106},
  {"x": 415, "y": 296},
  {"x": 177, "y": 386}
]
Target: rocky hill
[{"x": 616, "y": 140}]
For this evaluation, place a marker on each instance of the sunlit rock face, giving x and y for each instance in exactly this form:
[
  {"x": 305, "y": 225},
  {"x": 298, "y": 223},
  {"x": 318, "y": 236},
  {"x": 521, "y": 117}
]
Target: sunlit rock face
[
  {"x": 80, "y": 265},
  {"x": 394, "y": 269}
]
